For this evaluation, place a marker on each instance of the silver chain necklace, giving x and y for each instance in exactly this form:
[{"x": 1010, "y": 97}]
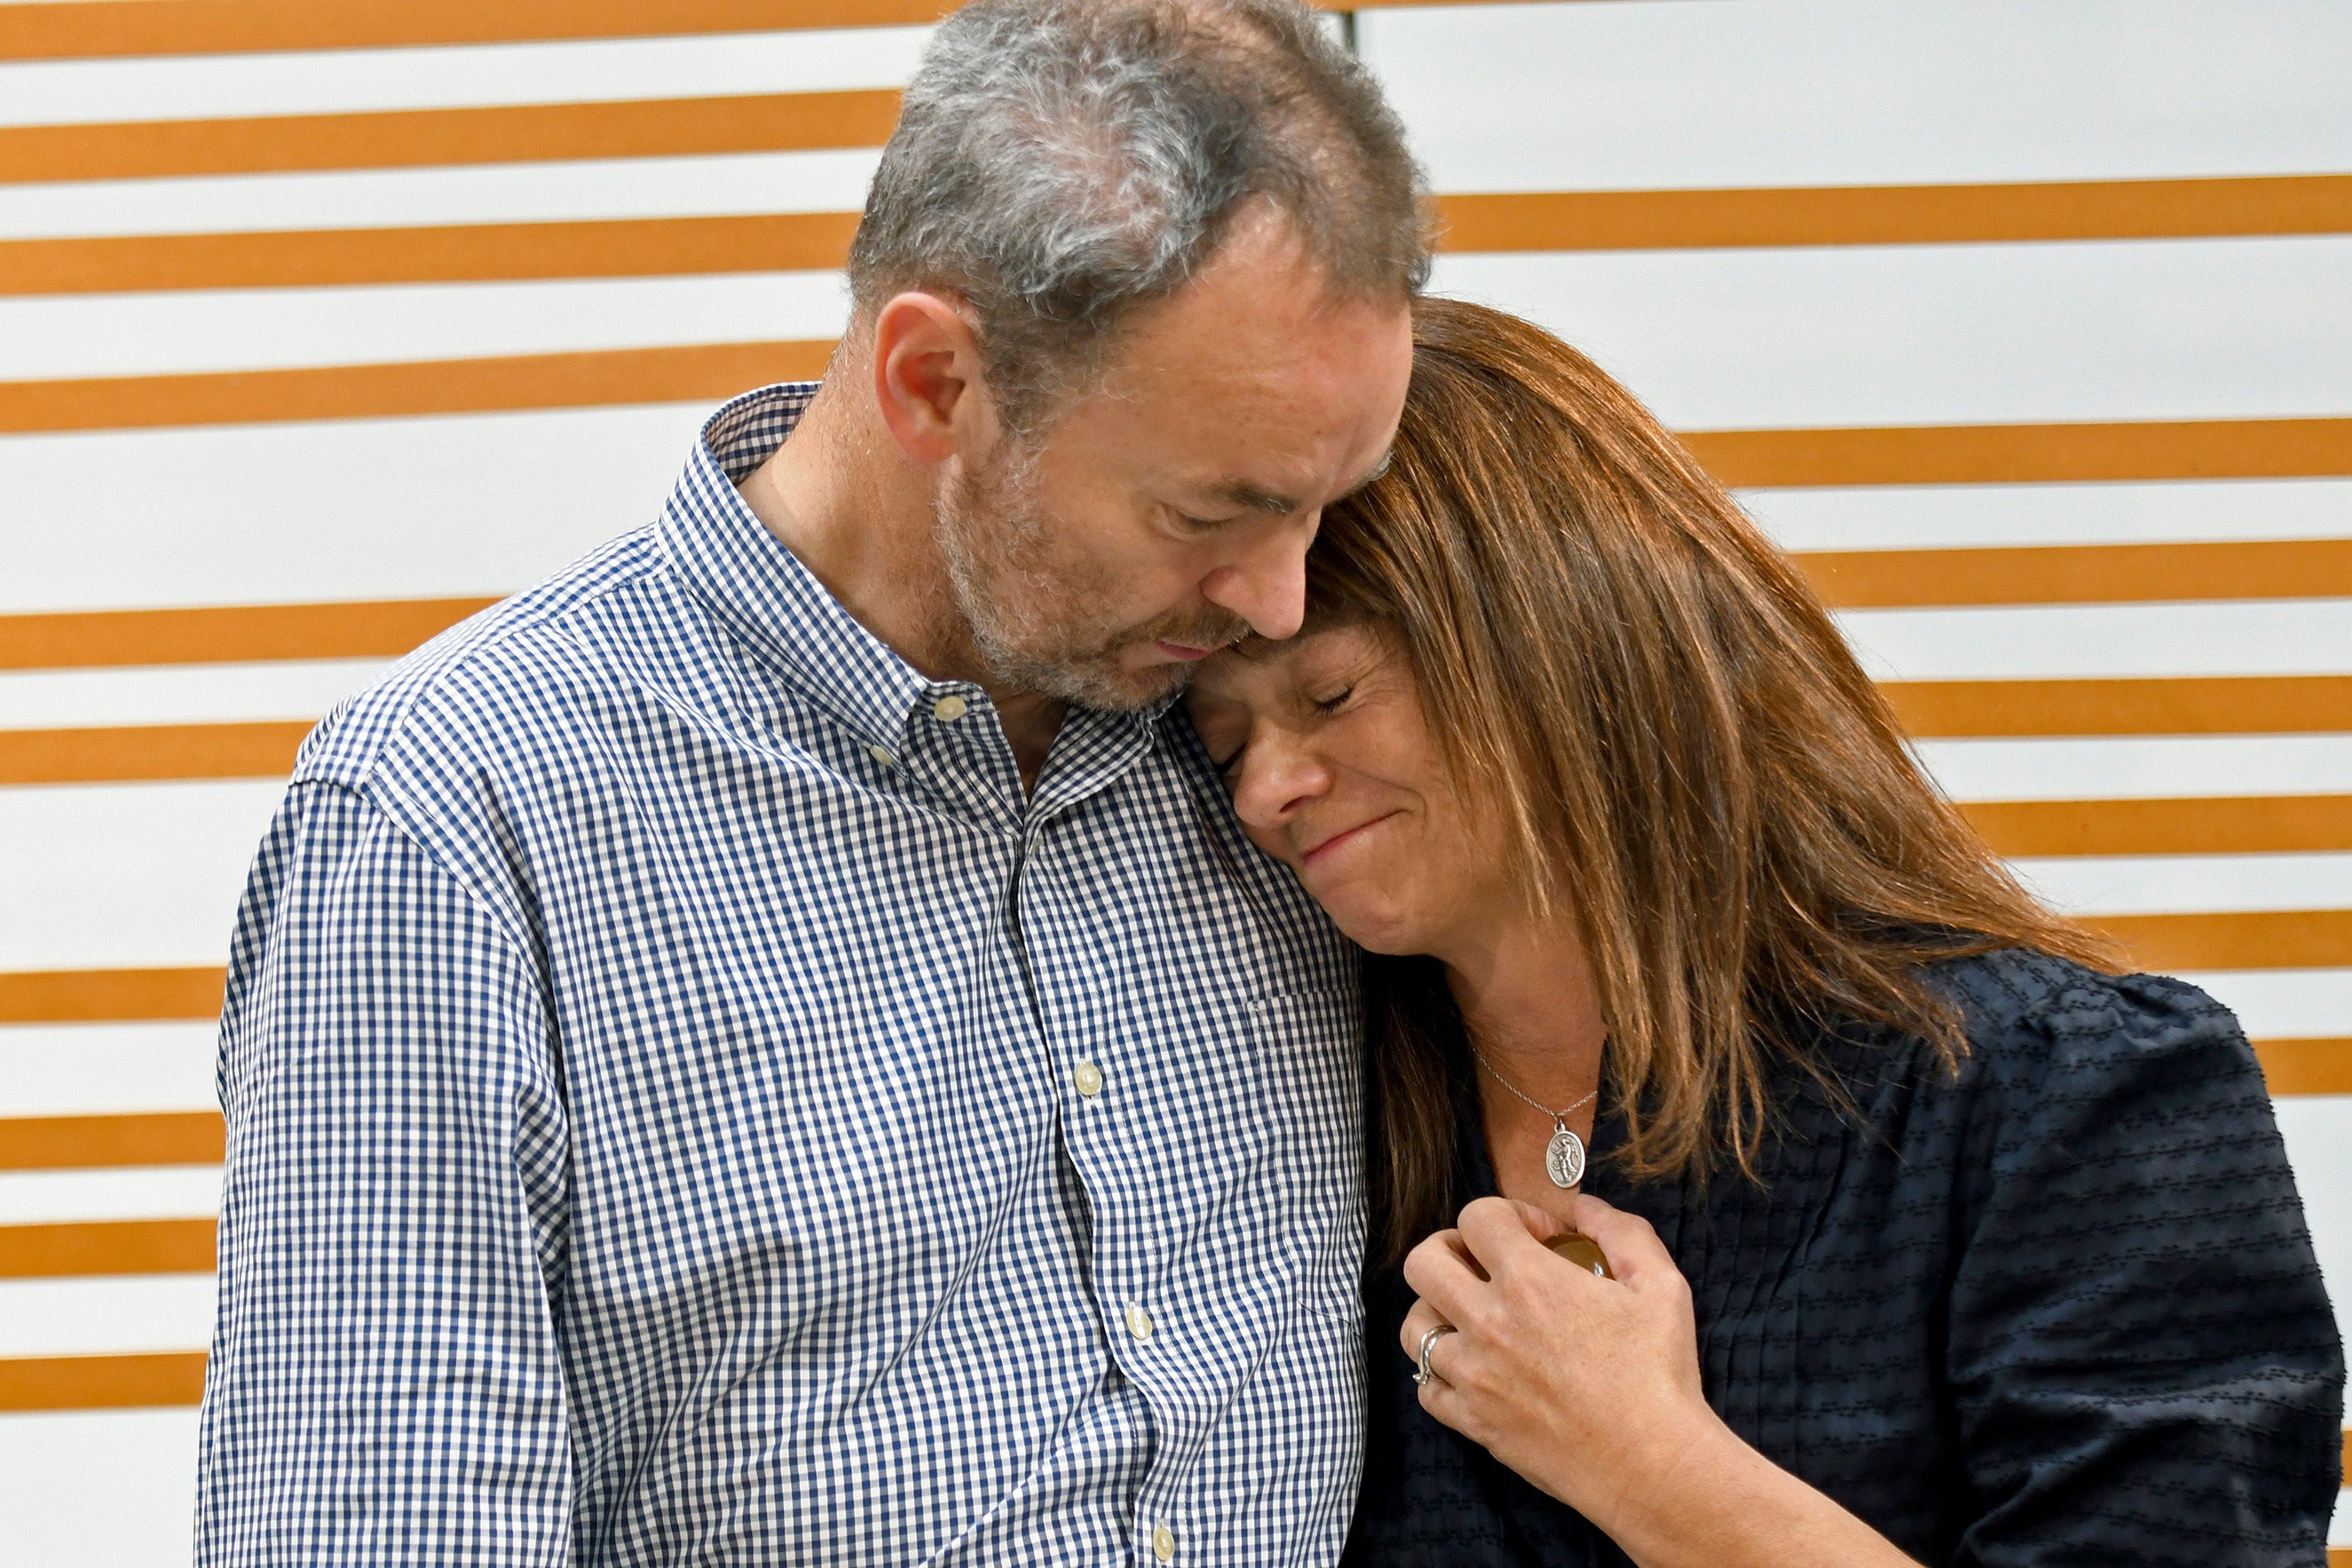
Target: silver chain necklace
[{"x": 1564, "y": 1155}]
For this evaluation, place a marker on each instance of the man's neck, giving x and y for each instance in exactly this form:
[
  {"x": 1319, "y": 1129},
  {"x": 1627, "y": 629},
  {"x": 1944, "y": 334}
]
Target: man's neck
[{"x": 856, "y": 512}]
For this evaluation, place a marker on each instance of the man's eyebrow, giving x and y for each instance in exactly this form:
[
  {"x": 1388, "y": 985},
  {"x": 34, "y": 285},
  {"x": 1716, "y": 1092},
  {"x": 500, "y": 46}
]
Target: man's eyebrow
[
  {"x": 1252, "y": 497},
  {"x": 1374, "y": 472},
  {"x": 1257, "y": 499}
]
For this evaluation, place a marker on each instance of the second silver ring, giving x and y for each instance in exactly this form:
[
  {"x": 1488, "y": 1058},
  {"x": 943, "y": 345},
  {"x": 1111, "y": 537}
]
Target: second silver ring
[{"x": 1422, "y": 1374}]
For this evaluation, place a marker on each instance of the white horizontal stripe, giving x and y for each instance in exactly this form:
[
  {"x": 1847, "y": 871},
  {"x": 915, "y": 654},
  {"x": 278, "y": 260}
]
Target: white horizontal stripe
[
  {"x": 113, "y": 1316},
  {"x": 492, "y": 194},
  {"x": 2093, "y": 885},
  {"x": 1875, "y": 335},
  {"x": 2318, "y": 1134},
  {"x": 1939, "y": 334},
  {"x": 161, "y": 1192},
  {"x": 117, "y": 1487},
  {"x": 460, "y": 505},
  {"x": 356, "y": 80},
  {"x": 96, "y": 1070},
  {"x": 2284, "y": 1004},
  {"x": 1772, "y": 92},
  {"x": 2299, "y": 637},
  {"x": 260, "y": 328},
  {"x": 126, "y": 875},
  {"x": 2339, "y": 1528},
  {"x": 2069, "y": 768},
  {"x": 194, "y": 694},
  {"x": 1951, "y": 516}
]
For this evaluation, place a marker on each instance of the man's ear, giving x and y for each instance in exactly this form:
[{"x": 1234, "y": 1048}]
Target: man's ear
[{"x": 927, "y": 377}]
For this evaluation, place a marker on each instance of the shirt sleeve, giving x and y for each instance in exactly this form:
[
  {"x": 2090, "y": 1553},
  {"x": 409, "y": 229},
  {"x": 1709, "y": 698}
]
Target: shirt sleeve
[
  {"x": 2144, "y": 1364},
  {"x": 385, "y": 1383}
]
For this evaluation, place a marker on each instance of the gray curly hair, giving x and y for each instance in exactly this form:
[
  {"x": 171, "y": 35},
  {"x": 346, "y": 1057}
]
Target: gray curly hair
[{"x": 1060, "y": 164}]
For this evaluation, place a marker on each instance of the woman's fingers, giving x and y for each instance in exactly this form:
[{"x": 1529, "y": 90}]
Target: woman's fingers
[
  {"x": 1443, "y": 1273},
  {"x": 1498, "y": 1234},
  {"x": 1627, "y": 1240},
  {"x": 1541, "y": 1222}
]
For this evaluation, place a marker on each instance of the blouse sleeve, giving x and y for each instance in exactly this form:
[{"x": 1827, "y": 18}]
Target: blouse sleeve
[{"x": 2143, "y": 1362}]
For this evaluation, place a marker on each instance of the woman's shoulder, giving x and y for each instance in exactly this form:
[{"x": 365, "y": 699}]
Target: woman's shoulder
[{"x": 2034, "y": 1020}]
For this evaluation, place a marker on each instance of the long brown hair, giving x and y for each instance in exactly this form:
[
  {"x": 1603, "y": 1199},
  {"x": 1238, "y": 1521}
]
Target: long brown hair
[{"x": 1686, "y": 756}]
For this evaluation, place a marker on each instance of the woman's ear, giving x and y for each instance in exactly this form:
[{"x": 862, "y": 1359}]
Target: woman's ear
[{"x": 927, "y": 378}]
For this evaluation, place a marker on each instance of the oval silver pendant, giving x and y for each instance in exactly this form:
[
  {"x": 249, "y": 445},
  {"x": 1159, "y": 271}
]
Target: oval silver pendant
[{"x": 1564, "y": 1159}]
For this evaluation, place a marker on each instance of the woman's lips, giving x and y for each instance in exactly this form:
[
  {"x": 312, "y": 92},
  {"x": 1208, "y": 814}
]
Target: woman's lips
[{"x": 1341, "y": 837}]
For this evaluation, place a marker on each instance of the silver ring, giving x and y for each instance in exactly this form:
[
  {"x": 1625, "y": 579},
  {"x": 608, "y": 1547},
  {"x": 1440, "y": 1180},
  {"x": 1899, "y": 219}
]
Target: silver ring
[{"x": 1421, "y": 1374}]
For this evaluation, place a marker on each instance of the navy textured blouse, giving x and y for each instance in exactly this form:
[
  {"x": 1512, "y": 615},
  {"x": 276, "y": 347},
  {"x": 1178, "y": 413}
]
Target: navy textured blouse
[{"x": 2062, "y": 1308}]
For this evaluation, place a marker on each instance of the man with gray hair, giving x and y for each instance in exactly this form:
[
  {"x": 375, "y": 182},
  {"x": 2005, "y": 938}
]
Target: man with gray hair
[{"x": 768, "y": 1047}]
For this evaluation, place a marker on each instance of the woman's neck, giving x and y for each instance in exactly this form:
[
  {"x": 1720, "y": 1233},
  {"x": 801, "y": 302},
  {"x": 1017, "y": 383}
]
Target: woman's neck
[
  {"x": 1525, "y": 993},
  {"x": 1528, "y": 1010}
]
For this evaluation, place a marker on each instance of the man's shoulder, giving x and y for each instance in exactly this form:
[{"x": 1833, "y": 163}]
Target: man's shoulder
[{"x": 499, "y": 681}]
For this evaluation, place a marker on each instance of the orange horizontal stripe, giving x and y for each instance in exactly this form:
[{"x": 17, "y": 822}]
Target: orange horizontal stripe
[
  {"x": 601, "y": 379},
  {"x": 106, "y": 1246},
  {"x": 2306, "y": 1066},
  {"x": 2221, "y": 705},
  {"x": 2027, "y": 453},
  {"x": 85, "y": 1143},
  {"x": 640, "y": 247},
  {"x": 2293, "y": 569},
  {"x": 123, "y": 28},
  {"x": 1896, "y": 214},
  {"x": 2082, "y": 574},
  {"x": 126, "y": 753},
  {"x": 241, "y": 633},
  {"x": 469, "y": 252},
  {"x": 2236, "y": 939},
  {"x": 436, "y": 137},
  {"x": 2231, "y": 825},
  {"x": 101, "y": 1382},
  {"x": 1923, "y": 454},
  {"x": 2291, "y": 1067},
  {"x": 2254, "y": 704},
  {"x": 111, "y": 996}
]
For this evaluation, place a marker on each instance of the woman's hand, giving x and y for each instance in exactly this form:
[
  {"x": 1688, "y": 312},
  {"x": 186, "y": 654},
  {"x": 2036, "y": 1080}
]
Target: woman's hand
[
  {"x": 1584, "y": 1386},
  {"x": 1590, "y": 1388}
]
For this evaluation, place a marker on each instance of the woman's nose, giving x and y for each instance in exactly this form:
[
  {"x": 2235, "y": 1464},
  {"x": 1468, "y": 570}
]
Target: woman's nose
[{"x": 1278, "y": 779}]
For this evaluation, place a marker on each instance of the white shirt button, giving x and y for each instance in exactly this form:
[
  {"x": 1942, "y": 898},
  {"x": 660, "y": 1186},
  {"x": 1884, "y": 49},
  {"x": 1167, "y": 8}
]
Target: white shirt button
[
  {"x": 1164, "y": 1544},
  {"x": 947, "y": 710},
  {"x": 1139, "y": 1321},
  {"x": 881, "y": 754},
  {"x": 1089, "y": 1078}
]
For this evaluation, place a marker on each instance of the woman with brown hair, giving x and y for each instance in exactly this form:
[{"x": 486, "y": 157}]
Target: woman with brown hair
[{"x": 1934, "y": 1236}]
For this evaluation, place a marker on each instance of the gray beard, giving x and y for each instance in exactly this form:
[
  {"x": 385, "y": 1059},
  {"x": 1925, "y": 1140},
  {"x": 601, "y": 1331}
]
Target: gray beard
[{"x": 994, "y": 515}]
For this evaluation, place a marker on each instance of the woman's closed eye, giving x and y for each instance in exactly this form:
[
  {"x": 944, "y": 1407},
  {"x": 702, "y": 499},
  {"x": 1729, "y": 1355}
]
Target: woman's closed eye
[{"x": 1335, "y": 702}]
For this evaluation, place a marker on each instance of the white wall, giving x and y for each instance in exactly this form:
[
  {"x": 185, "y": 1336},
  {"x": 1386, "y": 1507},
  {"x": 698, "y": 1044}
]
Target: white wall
[{"x": 1641, "y": 94}]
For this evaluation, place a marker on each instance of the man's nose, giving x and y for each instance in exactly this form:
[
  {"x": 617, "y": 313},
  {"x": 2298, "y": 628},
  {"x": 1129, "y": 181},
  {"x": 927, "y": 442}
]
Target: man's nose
[
  {"x": 1267, "y": 587},
  {"x": 1279, "y": 778}
]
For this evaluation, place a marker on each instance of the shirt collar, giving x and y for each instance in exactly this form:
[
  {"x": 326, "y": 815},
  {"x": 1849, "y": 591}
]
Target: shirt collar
[{"x": 767, "y": 598}]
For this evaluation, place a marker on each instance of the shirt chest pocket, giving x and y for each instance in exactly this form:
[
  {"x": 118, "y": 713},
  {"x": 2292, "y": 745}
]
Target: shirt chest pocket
[{"x": 1309, "y": 1063}]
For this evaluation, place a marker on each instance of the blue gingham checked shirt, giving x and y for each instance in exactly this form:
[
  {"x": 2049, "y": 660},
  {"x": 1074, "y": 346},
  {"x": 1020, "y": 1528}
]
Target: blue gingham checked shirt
[{"x": 657, "y": 1063}]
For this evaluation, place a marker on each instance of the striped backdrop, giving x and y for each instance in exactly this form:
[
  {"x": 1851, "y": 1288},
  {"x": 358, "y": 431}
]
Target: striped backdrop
[{"x": 2028, "y": 323}]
